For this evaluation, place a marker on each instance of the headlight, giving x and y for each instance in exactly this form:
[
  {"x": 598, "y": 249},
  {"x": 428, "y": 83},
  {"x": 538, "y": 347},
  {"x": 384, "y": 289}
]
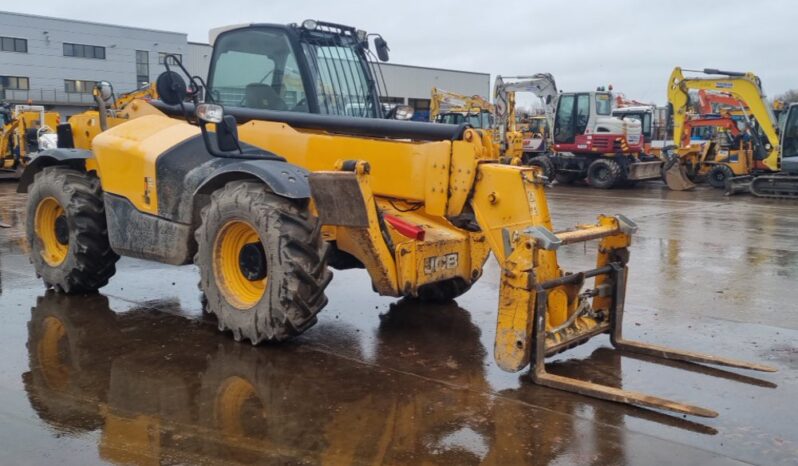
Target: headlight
[
  {"x": 210, "y": 113},
  {"x": 309, "y": 24}
]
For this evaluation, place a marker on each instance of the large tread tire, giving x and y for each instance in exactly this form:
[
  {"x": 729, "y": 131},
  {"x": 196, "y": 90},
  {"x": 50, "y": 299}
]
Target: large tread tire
[
  {"x": 90, "y": 262},
  {"x": 604, "y": 173},
  {"x": 718, "y": 175},
  {"x": 444, "y": 291},
  {"x": 545, "y": 164},
  {"x": 294, "y": 252}
]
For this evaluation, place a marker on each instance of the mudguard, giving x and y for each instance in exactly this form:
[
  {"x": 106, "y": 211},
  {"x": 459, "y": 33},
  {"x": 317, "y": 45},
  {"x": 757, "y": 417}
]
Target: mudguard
[
  {"x": 73, "y": 158},
  {"x": 282, "y": 178}
]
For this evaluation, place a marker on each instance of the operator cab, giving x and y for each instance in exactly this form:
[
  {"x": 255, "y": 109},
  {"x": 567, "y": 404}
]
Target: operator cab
[
  {"x": 480, "y": 120},
  {"x": 577, "y": 114},
  {"x": 789, "y": 141},
  {"x": 315, "y": 67}
]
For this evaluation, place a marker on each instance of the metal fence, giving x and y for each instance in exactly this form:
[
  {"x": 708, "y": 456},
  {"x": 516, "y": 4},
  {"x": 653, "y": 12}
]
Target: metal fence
[{"x": 46, "y": 97}]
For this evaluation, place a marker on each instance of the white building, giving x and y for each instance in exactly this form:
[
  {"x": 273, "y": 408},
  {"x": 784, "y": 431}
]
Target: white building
[{"x": 55, "y": 62}]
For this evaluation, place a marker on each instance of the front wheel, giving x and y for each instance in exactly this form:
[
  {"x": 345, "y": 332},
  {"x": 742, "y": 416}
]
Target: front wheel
[
  {"x": 67, "y": 231},
  {"x": 718, "y": 175},
  {"x": 604, "y": 173},
  {"x": 262, "y": 264}
]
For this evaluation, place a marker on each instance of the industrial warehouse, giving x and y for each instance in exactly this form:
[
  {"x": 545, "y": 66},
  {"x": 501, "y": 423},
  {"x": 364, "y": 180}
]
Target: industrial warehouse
[{"x": 311, "y": 238}]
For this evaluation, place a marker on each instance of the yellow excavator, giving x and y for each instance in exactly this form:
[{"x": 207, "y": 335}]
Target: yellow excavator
[
  {"x": 25, "y": 129},
  {"x": 772, "y": 170},
  {"x": 453, "y": 108},
  {"x": 267, "y": 184}
]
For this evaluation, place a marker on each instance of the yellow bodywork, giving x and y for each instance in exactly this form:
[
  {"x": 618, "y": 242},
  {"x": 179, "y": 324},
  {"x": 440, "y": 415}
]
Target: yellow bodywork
[{"x": 745, "y": 88}]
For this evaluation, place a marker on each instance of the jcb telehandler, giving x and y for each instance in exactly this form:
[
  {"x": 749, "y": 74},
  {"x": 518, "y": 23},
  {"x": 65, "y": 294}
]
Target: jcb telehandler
[{"x": 266, "y": 193}]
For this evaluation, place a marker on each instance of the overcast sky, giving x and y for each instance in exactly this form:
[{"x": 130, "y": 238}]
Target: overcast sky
[{"x": 633, "y": 45}]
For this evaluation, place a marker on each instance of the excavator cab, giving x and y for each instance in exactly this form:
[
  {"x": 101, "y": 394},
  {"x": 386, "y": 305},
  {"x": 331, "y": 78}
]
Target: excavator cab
[
  {"x": 584, "y": 123},
  {"x": 789, "y": 141}
]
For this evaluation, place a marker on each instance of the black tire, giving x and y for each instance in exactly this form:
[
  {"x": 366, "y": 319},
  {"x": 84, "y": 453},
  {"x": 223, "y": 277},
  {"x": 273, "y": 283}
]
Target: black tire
[
  {"x": 442, "y": 292},
  {"x": 567, "y": 177},
  {"x": 718, "y": 175},
  {"x": 545, "y": 164},
  {"x": 89, "y": 261},
  {"x": 604, "y": 173},
  {"x": 292, "y": 250}
]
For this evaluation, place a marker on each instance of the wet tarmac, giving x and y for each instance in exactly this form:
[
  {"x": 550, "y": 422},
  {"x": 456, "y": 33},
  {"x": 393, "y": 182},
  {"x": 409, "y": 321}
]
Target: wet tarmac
[{"x": 138, "y": 375}]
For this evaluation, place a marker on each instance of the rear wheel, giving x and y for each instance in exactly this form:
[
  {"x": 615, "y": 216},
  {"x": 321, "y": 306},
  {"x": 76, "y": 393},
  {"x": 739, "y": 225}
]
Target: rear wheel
[
  {"x": 718, "y": 175},
  {"x": 67, "y": 231},
  {"x": 545, "y": 164},
  {"x": 262, "y": 264},
  {"x": 604, "y": 173}
]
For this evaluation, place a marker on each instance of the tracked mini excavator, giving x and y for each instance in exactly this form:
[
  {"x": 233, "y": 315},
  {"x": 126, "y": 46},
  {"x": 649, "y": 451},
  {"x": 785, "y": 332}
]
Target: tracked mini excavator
[
  {"x": 772, "y": 169},
  {"x": 267, "y": 184}
]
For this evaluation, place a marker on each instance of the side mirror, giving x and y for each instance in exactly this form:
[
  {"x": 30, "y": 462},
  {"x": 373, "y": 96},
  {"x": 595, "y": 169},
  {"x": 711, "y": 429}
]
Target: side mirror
[
  {"x": 226, "y": 127},
  {"x": 382, "y": 48},
  {"x": 171, "y": 87},
  {"x": 103, "y": 90},
  {"x": 401, "y": 112},
  {"x": 227, "y": 134}
]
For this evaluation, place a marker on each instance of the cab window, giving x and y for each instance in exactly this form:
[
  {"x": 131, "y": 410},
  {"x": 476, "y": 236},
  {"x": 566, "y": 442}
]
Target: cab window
[
  {"x": 256, "y": 68},
  {"x": 603, "y": 104}
]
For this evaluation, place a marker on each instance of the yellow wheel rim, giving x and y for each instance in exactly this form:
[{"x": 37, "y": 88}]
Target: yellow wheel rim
[
  {"x": 50, "y": 216},
  {"x": 231, "y": 241},
  {"x": 49, "y": 347}
]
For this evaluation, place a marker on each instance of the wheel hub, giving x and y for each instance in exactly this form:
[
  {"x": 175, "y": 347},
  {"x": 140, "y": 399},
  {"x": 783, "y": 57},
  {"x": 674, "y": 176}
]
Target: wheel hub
[
  {"x": 61, "y": 230},
  {"x": 252, "y": 261}
]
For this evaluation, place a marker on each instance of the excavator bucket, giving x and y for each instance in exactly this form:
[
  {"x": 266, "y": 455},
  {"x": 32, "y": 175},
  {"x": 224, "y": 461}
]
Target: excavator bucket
[
  {"x": 675, "y": 176},
  {"x": 544, "y": 310}
]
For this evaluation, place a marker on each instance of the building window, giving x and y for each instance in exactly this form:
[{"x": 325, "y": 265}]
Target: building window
[
  {"x": 142, "y": 67},
  {"x": 78, "y": 86},
  {"x": 13, "y": 44},
  {"x": 14, "y": 83},
  {"x": 84, "y": 51},
  {"x": 162, "y": 58}
]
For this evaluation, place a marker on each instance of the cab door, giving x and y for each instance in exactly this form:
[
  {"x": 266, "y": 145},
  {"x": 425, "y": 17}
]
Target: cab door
[
  {"x": 565, "y": 120},
  {"x": 789, "y": 141}
]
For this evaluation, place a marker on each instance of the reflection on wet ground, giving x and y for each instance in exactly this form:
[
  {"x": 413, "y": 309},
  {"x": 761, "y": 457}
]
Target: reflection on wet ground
[{"x": 139, "y": 375}]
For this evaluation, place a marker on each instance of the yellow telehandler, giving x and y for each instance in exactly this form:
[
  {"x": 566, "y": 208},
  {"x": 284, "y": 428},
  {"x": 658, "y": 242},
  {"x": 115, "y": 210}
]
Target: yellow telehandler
[{"x": 267, "y": 184}]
